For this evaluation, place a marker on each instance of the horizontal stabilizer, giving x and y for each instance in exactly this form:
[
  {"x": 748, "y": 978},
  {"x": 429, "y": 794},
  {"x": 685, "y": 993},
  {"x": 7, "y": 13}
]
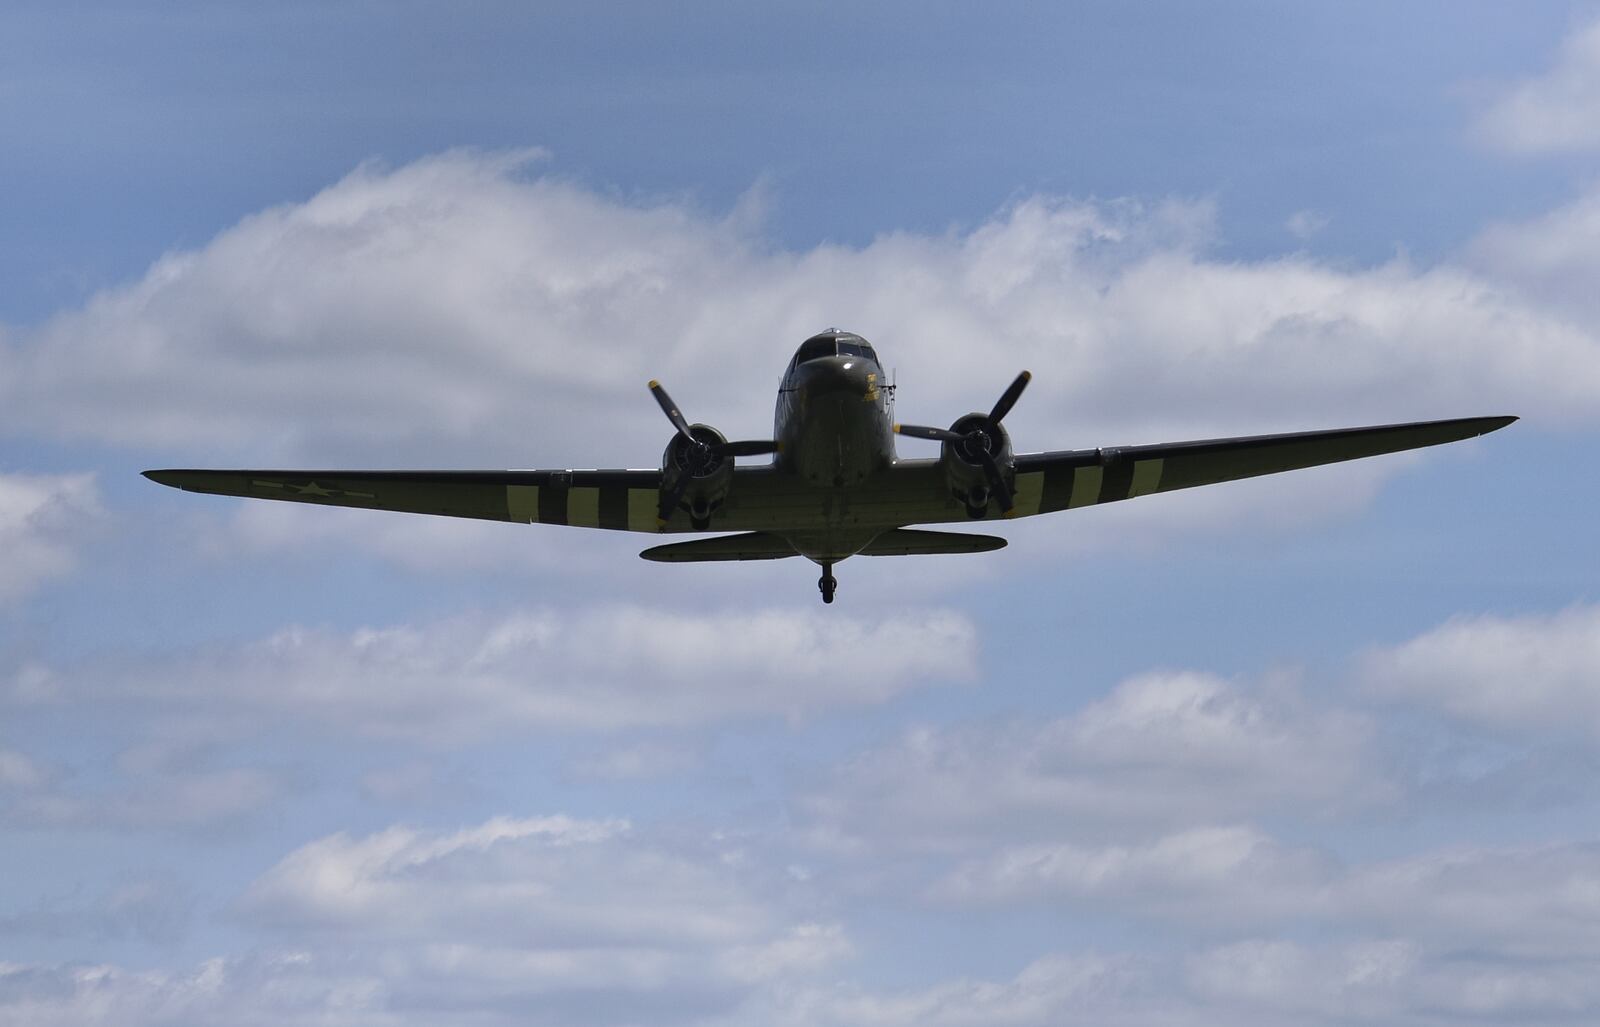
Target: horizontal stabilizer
[
  {"x": 915, "y": 542},
  {"x": 752, "y": 545}
]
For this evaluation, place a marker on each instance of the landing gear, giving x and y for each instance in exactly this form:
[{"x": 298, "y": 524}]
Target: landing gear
[{"x": 827, "y": 583}]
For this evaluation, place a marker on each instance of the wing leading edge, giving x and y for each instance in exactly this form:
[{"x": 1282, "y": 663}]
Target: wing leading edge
[
  {"x": 1075, "y": 478},
  {"x": 621, "y": 500}
]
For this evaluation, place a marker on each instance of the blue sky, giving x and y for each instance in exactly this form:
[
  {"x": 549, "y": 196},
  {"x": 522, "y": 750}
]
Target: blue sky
[{"x": 1312, "y": 749}]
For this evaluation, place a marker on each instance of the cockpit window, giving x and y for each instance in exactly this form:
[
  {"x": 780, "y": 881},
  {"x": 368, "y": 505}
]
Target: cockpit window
[
  {"x": 830, "y": 345},
  {"x": 811, "y": 349}
]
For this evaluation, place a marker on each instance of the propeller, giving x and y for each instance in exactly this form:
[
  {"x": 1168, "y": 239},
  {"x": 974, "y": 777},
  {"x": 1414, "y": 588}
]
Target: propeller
[
  {"x": 702, "y": 456},
  {"x": 979, "y": 443}
]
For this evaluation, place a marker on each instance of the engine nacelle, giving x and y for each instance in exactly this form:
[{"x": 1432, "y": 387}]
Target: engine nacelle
[
  {"x": 709, "y": 475},
  {"x": 964, "y": 465}
]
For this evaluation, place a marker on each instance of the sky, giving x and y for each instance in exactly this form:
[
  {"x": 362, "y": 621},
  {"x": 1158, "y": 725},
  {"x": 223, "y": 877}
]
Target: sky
[{"x": 1312, "y": 749}]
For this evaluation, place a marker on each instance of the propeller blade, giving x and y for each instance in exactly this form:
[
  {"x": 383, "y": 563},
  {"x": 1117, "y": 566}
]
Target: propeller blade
[
  {"x": 917, "y": 431},
  {"x": 1008, "y": 399},
  {"x": 998, "y": 486},
  {"x": 670, "y": 499},
  {"x": 750, "y": 447},
  {"x": 671, "y": 410}
]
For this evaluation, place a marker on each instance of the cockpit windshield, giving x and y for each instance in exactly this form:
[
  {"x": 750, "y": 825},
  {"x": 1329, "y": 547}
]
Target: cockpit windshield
[
  {"x": 811, "y": 349},
  {"x": 828, "y": 345}
]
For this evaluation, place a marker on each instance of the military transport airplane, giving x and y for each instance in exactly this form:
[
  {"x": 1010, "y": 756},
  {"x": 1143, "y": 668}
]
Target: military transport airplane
[{"x": 835, "y": 487}]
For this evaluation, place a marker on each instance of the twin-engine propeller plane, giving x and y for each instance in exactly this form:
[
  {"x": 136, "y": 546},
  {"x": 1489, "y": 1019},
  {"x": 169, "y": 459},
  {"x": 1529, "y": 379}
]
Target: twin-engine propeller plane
[{"x": 835, "y": 487}]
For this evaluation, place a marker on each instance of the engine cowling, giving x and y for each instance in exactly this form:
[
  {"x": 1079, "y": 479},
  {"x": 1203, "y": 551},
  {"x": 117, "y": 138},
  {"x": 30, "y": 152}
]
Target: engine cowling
[
  {"x": 709, "y": 474},
  {"x": 964, "y": 464}
]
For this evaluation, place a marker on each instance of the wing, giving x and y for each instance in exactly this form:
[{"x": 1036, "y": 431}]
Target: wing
[
  {"x": 1059, "y": 481},
  {"x": 621, "y": 500}
]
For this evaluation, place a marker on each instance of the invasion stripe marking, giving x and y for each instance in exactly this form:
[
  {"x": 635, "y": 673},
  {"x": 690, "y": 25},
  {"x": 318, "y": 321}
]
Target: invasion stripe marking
[
  {"x": 522, "y": 503},
  {"x": 1057, "y": 489},
  {"x": 1029, "y": 493},
  {"x": 583, "y": 507},
  {"x": 1117, "y": 481},
  {"x": 553, "y": 504},
  {"x": 642, "y": 505},
  {"x": 1086, "y": 486},
  {"x": 614, "y": 507},
  {"x": 1146, "y": 477}
]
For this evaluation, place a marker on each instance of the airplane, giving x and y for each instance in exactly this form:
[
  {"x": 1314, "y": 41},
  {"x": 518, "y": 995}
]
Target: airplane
[{"x": 835, "y": 487}]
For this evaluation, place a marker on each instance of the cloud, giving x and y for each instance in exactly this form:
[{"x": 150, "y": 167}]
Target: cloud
[
  {"x": 1539, "y": 672},
  {"x": 463, "y": 309},
  {"x": 1162, "y": 749},
  {"x": 19, "y": 771},
  {"x": 466, "y": 310},
  {"x": 1556, "y": 112},
  {"x": 1388, "y": 981},
  {"x": 1553, "y": 260},
  {"x": 189, "y": 795},
  {"x": 641, "y": 761},
  {"x": 1051, "y": 990},
  {"x": 589, "y": 669},
  {"x": 1303, "y": 224},
  {"x": 1523, "y": 902},
  {"x": 44, "y": 518},
  {"x": 150, "y": 909},
  {"x": 1222, "y": 876},
  {"x": 544, "y": 911}
]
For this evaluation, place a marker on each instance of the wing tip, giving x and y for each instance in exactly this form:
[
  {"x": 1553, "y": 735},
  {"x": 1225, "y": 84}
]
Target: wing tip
[{"x": 168, "y": 478}]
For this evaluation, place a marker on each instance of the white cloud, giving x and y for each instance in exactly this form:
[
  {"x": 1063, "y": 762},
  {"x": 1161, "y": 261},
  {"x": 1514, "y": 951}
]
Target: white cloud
[
  {"x": 1527, "y": 903},
  {"x": 640, "y": 761},
  {"x": 462, "y": 311},
  {"x": 598, "y": 668},
  {"x": 1161, "y": 749},
  {"x": 1556, "y": 112},
  {"x": 186, "y": 799},
  {"x": 457, "y": 309},
  {"x": 44, "y": 518},
  {"x": 1303, "y": 224},
  {"x": 150, "y": 909},
  {"x": 19, "y": 771},
  {"x": 1535, "y": 672},
  {"x": 1051, "y": 990},
  {"x": 1219, "y": 875},
  {"x": 1553, "y": 260},
  {"x": 545, "y": 910},
  {"x": 1385, "y": 981}
]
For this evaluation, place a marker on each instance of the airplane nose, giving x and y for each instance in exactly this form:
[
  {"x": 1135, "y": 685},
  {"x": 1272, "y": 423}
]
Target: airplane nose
[{"x": 832, "y": 375}]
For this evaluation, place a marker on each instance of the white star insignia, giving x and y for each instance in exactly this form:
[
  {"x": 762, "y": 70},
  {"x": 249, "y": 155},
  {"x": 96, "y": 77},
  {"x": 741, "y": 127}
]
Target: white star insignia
[{"x": 313, "y": 489}]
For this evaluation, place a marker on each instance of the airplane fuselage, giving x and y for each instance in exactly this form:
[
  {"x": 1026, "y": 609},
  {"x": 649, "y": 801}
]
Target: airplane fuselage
[{"x": 834, "y": 431}]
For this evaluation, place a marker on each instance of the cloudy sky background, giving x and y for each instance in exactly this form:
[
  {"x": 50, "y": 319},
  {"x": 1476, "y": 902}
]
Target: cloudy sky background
[{"x": 1315, "y": 749}]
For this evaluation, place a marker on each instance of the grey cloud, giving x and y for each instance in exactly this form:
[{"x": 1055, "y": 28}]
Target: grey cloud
[
  {"x": 1518, "y": 903},
  {"x": 44, "y": 520},
  {"x": 545, "y": 912},
  {"x": 1161, "y": 749},
  {"x": 597, "y": 669},
  {"x": 154, "y": 910}
]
